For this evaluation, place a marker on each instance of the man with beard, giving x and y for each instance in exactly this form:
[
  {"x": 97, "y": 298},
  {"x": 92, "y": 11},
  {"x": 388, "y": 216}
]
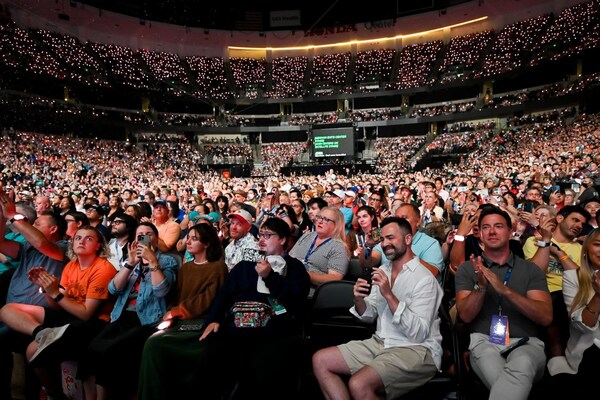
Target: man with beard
[
  {"x": 405, "y": 351},
  {"x": 554, "y": 253},
  {"x": 243, "y": 246},
  {"x": 122, "y": 229}
]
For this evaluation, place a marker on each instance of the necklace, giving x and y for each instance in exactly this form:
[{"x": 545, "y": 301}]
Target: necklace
[{"x": 201, "y": 262}]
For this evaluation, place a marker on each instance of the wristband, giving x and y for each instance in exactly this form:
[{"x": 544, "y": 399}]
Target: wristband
[
  {"x": 563, "y": 258},
  {"x": 128, "y": 266},
  {"x": 459, "y": 238},
  {"x": 58, "y": 297}
]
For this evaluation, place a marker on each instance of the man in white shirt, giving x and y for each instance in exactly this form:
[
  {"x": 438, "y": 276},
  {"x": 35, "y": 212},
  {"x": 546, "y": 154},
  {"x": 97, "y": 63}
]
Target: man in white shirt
[{"x": 405, "y": 351}]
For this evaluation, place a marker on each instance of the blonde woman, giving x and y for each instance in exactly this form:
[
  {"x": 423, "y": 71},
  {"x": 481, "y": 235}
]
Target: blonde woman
[
  {"x": 324, "y": 252},
  {"x": 578, "y": 368}
]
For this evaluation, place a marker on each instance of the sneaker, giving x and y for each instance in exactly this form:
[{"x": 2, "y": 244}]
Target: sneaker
[
  {"x": 46, "y": 337},
  {"x": 42, "y": 334}
]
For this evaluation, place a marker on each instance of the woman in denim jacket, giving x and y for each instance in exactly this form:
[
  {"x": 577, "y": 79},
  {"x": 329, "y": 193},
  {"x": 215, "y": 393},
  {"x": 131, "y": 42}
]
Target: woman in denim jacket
[{"x": 111, "y": 362}]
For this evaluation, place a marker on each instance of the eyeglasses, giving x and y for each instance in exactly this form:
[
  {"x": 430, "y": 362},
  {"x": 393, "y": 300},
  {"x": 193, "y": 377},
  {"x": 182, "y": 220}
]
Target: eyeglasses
[
  {"x": 265, "y": 235},
  {"x": 70, "y": 220},
  {"x": 374, "y": 199},
  {"x": 117, "y": 222},
  {"x": 322, "y": 218}
]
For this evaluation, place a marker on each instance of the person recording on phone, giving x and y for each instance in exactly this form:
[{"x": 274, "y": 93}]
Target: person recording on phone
[
  {"x": 263, "y": 354},
  {"x": 423, "y": 246},
  {"x": 405, "y": 351},
  {"x": 495, "y": 291},
  {"x": 141, "y": 288}
]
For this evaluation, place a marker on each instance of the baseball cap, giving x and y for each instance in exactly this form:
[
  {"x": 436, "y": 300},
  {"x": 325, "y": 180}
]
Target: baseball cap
[
  {"x": 242, "y": 215},
  {"x": 96, "y": 207},
  {"x": 339, "y": 193},
  {"x": 350, "y": 193},
  {"x": 160, "y": 202}
]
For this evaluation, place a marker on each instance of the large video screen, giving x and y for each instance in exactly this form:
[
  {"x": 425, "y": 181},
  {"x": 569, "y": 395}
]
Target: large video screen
[{"x": 333, "y": 142}]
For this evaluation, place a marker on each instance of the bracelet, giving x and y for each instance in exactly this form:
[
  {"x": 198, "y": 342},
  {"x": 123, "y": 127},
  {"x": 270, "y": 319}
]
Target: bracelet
[
  {"x": 563, "y": 258},
  {"x": 128, "y": 266},
  {"x": 153, "y": 269},
  {"x": 587, "y": 307}
]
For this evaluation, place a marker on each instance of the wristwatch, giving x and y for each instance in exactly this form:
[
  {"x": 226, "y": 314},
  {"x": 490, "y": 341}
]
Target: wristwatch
[
  {"x": 541, "y": 243},
  {"x": 459, "y": 238},
  {"x": 58, "y": 297},
  {"x": 478, "y": 288},
  {"x": 18, "y": 217}
]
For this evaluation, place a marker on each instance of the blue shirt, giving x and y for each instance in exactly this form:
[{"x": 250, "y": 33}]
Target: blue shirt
[
  {"x": 21, "y": 289},
  {"x": 427, "y": 249}
]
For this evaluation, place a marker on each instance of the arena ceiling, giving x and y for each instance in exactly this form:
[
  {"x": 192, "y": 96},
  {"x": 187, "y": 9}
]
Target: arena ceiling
[{"x": 266, "y": 15}]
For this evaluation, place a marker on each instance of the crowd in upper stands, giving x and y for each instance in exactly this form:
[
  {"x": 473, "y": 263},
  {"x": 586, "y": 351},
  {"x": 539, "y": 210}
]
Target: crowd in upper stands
[{"x": 474, "y": 55}]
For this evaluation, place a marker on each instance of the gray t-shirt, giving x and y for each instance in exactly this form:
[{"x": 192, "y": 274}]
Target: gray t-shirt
[
  {"x": 525, "y": 276},
  {"x": 21, "y": 289},
  {"x": 328, "y": 255}
]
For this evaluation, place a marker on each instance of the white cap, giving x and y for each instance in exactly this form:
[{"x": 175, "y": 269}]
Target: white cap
[
  {"x": 242, "y": 215},
  {"x": 339, "y": 193}
]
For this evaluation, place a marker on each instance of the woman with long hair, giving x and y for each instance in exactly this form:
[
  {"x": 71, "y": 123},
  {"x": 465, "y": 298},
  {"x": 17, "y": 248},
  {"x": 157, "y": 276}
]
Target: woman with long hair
[
  {"x": 81, "y": 296},
  {"x": 223, "y": 205},
  {"x": 199, "y": 279},
  {"x": 366, "y": 234},
  {"x": 324, "y": 251},
  {"x": 304, "y": 223},
  {"x": 578, "y": 368},
  {"x": 115, "y": 206},
  {"x": 142, "y": 291},
  {"x": 135, "y": 211}
]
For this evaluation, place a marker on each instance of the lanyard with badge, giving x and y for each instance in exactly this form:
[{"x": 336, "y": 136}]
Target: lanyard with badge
[
  {"x": 499, "y": 332},
  {"x": 312, "y": 248}
]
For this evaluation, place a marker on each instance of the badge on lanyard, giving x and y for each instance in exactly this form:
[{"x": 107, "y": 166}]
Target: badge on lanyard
[{"x": 499, "y": 330}]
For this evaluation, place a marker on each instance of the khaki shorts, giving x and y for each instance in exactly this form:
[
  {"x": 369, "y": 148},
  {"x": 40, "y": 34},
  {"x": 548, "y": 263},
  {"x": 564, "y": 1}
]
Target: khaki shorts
[{"x": 401, "y": 369}]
